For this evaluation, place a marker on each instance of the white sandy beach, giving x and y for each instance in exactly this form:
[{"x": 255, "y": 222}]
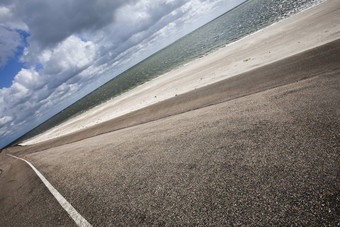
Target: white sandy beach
[{"x": 306, "y": 30}]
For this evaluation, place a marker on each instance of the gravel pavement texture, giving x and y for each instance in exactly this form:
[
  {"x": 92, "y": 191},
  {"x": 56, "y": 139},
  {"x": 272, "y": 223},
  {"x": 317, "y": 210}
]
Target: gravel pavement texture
[{"x": 24, "y": 199}]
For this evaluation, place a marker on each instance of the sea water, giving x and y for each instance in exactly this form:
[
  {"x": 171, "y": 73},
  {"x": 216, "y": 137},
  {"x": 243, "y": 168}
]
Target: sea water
[{"x": 239, "y": 22}]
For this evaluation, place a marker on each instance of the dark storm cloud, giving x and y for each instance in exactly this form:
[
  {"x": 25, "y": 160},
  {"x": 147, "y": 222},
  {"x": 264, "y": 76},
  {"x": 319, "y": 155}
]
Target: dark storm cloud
[{"x": 51, "y": 22}]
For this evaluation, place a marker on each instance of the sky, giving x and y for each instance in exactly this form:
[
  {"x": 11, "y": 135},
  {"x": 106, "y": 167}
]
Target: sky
[{"x": 54, "y": 52}]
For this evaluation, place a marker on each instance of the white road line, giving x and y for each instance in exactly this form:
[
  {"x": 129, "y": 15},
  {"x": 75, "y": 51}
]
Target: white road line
[{"x": 79, "y": 220}]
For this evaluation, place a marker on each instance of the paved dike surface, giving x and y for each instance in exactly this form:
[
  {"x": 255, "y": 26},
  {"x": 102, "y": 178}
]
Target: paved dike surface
[
  {"x": 24, "y": 199},
  {"x": 261, "y": 148}
]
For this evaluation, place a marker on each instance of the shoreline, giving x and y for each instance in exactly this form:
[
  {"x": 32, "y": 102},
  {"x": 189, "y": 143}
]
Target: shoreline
[
  {"x": 280, "y": 40},
  {"x": 320, "y": 62}
]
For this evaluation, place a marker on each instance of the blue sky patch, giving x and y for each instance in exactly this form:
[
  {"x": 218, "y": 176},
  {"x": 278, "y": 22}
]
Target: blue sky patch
[{"x": 13, "y": 65}]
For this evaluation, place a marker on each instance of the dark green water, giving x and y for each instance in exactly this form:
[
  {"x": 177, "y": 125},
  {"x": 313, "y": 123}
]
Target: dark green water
[{"x": 233, "y": 25}]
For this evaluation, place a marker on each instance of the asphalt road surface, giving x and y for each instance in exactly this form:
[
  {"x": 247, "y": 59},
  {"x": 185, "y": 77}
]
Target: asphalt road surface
[{"x": 261, "y": 148}]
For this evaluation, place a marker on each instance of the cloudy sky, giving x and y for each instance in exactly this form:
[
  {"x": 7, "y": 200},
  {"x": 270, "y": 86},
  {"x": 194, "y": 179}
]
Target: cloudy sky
[{"x": 54, "y": 52}]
